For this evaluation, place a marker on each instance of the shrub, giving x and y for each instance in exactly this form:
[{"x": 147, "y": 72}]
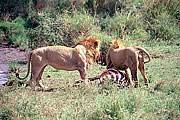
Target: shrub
[
  {"x": 10, "y": 10},
  {"x": 163, "y": 29},
  {"x": 63, "y": 29},
  {"x": 162, "y": 22},
  {"x": 127, "y": 26},
  {"x": 14, "y": 32},
  {"x": 106, "y": 41}
]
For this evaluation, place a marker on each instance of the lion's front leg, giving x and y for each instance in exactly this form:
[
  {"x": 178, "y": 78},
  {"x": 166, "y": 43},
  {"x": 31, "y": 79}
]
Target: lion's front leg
[
  {"x": 83, "y": 75},
  {"x": 108, "y": 61},
  {"x": 129, "y": 76}
]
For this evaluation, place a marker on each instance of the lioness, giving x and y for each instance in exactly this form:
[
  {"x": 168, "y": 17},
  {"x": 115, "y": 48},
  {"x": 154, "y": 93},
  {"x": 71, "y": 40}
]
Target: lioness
[
  {"x": 78, "y": 57},
  {"x": 128, "y": 59}
]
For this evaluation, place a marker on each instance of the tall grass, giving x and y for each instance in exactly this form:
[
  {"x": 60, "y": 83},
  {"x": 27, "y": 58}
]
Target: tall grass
[
  {"x": 159, "y": 101},
  {"x": 127, "y": 26}
]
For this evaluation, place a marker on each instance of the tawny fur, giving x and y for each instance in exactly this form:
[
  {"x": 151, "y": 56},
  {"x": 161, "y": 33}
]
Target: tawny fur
[
  {"x": 79, "y": 57},
  {"x": 129, "y": 59}
]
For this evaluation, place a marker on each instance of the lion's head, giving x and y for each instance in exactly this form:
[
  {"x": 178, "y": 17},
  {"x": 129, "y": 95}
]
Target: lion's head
[
  {"x": 117, "y": 44},
  {"x": 92, "y": 45}
]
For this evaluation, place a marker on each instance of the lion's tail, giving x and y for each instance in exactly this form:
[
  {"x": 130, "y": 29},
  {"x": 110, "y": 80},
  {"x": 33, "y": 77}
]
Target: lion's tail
[
  {"x": 144, "y": 51},
  {"x": 17, "y": 74}
]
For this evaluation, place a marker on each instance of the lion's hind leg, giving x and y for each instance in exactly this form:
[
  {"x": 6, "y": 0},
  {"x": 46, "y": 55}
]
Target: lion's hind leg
[
  {"x": 36, "y": 73},
  {"x": 134, "y": 74},
  {"x": 143, "y": 71},
  {"x": 38, "y": 83},
  {"x": 135, "y": 77}
]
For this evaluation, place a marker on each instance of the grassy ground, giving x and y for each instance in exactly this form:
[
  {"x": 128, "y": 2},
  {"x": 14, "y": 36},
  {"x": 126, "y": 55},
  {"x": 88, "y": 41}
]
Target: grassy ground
[{"x": 160, "y": 101}]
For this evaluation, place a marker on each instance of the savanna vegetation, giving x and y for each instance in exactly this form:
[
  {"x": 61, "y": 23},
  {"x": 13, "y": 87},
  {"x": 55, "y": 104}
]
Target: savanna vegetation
[{"x": 153, "y": 25}]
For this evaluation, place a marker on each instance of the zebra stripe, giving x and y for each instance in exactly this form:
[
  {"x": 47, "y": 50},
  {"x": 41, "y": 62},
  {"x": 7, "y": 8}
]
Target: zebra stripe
[{"x": 113, "y": 75}]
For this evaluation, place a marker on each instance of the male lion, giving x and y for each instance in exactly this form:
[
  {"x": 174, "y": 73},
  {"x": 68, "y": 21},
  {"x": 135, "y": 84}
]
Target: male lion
[
  {"x": 78, "y": 57},
  {"x": 128, "y": 59}
]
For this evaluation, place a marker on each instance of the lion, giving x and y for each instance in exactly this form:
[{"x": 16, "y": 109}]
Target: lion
[
  {"x": 129, "y": 59},
  {"x": 78, "y": 57}
]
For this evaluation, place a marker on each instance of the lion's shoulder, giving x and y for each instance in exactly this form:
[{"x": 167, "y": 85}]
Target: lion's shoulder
[
  {"x": 57, "y": 47},
  {"x": 81, "y": 48}
]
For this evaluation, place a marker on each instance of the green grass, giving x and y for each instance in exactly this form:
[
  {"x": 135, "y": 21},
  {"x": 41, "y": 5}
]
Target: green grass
[
  {"x": 160, "y": 101},
  {"x": 153, "y": 25}
]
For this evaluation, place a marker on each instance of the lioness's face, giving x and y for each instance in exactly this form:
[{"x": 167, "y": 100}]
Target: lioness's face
[{"x": 97, "y": 50}]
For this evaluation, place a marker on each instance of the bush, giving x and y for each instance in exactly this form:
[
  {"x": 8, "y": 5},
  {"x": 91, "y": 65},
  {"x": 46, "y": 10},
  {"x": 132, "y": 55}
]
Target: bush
[
  {"x": 162, "y": 22},
  {"x": 11, "y": 9},
  {"x": 106, "y": 41},
  {"x": 163, "y": 29},
  {"x": 127, "y": 26},
  {"x": 63, "y": 29},
  {"x": 14, "y": 32}
]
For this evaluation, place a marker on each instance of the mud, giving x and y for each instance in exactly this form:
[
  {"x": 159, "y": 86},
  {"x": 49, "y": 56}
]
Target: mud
[{"x": 8, "y": 54}]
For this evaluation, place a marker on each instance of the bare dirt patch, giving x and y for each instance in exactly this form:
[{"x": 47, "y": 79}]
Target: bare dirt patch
[
  {"x": 10, "y": 53},
  {"x": 7, "y": 54}
]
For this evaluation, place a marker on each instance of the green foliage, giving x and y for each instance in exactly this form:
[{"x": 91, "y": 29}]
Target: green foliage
[
  {"x": 106, "y": 41},
  {"x": 14, "y": 32},
  {"x": 63, "y": 22},
  {"x": 12, "y": 9},
  {"x": 161, "y": 23},
  {"x": 5, "y": 112},
  {"x": 24, "y": 108},
  {"x": 13, "y": 66},
  {"x": 127, "y": 26},
  {"x": 63, "y": 29},
  {"x": 32, "y": 21},
  {"x": 163, "y": 29}
]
